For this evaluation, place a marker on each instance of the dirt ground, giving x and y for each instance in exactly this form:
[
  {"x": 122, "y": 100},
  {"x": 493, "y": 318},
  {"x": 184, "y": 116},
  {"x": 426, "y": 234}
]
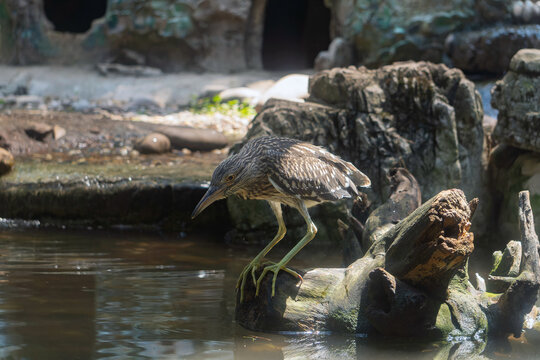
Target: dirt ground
[{"x": 168, "y": 90}]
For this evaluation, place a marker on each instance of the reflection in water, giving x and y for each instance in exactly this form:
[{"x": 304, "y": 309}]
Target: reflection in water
[{"x": 67, "y": 295}]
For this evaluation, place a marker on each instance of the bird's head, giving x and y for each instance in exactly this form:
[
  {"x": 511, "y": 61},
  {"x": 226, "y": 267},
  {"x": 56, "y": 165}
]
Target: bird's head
[{"x": 228, "y": 178}]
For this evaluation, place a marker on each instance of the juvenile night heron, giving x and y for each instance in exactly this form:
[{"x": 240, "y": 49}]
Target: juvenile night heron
[{"x": 282, "y": 171}]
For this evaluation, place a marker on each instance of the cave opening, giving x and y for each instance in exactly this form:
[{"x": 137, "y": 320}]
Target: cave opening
[
  {"x": 74, "y": 16},
  {"x": 294, "y": 33}
]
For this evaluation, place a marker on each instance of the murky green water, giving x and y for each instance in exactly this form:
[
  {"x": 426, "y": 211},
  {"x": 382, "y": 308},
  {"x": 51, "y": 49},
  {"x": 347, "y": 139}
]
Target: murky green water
[{"x": 96, "y": 295}]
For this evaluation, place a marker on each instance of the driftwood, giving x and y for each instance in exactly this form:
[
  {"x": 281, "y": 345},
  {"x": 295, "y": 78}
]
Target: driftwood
[
  {"x": 519, "y": 298},
  {"x": 404, "y": 198},
  {"x": 411, "y": 282}
]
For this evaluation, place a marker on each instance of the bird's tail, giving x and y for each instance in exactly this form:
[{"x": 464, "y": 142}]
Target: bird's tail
[{"x": 359, "y": 178}]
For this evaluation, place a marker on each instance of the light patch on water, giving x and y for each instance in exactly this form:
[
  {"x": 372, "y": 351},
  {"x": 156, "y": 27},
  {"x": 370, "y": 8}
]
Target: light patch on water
[{"x": 18, "y": 223}]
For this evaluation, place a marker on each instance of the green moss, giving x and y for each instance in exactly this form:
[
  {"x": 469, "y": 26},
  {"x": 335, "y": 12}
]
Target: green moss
[
  {"x": 496, "y": 258},
  {"x": 215, "y": 105},
  {"x": 316, "y": 293},
  {"x": 347, "y": 319},
  {"x": 444, "y": 320}
]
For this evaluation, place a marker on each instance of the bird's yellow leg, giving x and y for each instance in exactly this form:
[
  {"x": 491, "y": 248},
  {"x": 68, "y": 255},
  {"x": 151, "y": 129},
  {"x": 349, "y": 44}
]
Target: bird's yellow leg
[
  {"x": 254, "y": 264},
  {"x": 281, "y": 265}
]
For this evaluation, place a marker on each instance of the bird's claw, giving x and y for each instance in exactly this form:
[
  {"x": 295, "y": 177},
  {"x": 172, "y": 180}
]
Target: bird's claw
[
  {"x": 275, "y": 268},
  {"x": 250, "y": 268}
]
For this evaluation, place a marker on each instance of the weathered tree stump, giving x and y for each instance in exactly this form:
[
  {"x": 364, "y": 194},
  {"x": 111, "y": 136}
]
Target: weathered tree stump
[
  {"x": 411, "y": 282},
  {"x": 404, "y": 198},
  {"x": 516, "y": 302}
]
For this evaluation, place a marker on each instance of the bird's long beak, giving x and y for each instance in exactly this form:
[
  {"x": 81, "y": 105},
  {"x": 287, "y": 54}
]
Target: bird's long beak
[{"x": 212, "y": 194}]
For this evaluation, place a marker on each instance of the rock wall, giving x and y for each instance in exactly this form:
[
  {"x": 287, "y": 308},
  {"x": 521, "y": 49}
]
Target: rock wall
[
  {"x": 425, "y": 116},
  {"x": 386, "y": 31},
  {"x": 421, "y": 116},
  {"x": 227, "y": 35},
  {"x": 208, "y": 35},
  {"x": 490, "y": 50},
  {"x": 473, "y": 35},
  {"x": 171, "y": 35}
]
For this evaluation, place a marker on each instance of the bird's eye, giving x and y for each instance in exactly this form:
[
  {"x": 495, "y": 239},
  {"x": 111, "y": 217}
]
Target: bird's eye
[{"x": 230, "y": 177}]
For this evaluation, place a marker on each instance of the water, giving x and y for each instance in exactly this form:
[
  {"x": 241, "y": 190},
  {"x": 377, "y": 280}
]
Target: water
[
  {"x": 484, "y": 89},
  {"x": 114, "y": 295}
]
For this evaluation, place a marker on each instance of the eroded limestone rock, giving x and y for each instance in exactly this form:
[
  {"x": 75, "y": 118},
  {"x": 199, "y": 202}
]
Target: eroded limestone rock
[
  {"x": 517, "y": 98},
  {"x": 424, "y": 116},
  {"x": 515, "y": 163},
  {"x": 421, "y": 116}
]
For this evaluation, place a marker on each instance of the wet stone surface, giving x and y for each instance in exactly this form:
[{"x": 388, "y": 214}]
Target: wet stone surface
[{"x": 95, "y": 178}]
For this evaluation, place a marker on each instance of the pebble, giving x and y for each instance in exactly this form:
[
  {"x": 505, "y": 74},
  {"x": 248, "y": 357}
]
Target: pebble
[
  {"x": 6, "y": 161},
  {"x": 38, "y": 130},
  {"x": 58, "y": 132},
  {"x": 124, "y": 151},
  {"x": 154, "y": 143}
]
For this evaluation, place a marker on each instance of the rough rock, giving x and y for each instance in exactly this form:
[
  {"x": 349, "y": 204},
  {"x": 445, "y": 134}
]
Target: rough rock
[
  {"x": 526, "y": 61},
  {"x": 421, "y": 116},
  {"x": 490, "y": 50},
  {"x": 255, "y": 223},
  {"x": 517, "y": 98},
  {"x": 339, "y": 54},
  {"x": 154, "y": 143},
  {"x": 139, "y": 196},
  {"x": 425, "y": 116},
  {"x": 6, "y": 161}
]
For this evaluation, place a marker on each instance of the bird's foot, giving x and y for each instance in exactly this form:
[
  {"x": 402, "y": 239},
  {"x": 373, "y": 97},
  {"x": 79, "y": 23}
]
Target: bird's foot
[
  {"x": 250, "y": 268},
  {"x": 275, "y": 268}
]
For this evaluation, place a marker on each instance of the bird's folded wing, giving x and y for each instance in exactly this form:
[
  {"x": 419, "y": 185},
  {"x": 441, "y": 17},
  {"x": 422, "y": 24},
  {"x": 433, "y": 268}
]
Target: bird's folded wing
[{"x": 310, "y": 178}]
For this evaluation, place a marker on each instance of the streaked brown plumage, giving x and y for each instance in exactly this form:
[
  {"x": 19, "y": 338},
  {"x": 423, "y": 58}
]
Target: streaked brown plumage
[{"x": 283, "y": 171}]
